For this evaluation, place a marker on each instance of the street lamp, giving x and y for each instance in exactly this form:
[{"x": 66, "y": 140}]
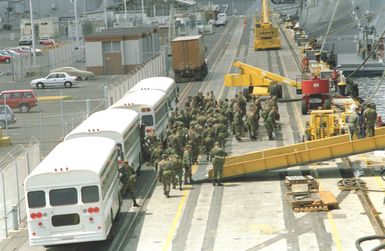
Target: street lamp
[
  {"x": 33, "y": 33},
  {"x": 125, "y": 9},
  {"x": 76, "y": 25}
]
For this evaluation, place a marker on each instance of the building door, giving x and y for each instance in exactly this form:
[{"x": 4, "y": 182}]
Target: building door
[{"x": 113, "y": 63}]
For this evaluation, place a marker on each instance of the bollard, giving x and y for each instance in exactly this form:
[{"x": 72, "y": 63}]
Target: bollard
[{"x": 15, "y": 224}]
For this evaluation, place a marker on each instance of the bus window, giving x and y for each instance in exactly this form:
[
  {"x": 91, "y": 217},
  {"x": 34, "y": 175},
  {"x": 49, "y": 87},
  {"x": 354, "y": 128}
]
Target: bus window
[
  {"x": 65, "y": 196},
  {"x": 36, "y": 199},
  {"x": 148, "y": 120},
  {"x": 65, "y": 220},
  {"x": 90, "y": 194}
]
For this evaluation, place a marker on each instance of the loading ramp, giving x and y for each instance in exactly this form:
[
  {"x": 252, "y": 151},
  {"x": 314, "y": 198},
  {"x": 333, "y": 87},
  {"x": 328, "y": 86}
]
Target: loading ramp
[{"x": 300, "y": 154}]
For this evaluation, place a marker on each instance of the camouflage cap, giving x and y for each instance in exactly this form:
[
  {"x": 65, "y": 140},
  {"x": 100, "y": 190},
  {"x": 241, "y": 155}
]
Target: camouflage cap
[{"x": 164, "y": 156}]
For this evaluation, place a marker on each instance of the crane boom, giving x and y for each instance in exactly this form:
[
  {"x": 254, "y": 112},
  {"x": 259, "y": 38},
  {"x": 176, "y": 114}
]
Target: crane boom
[
  {"x": 265, "y": 11},
  {"x": 251, "y": 76}
]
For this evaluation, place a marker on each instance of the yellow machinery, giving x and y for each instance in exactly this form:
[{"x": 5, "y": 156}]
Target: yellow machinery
[
  {"x": 301, "y": 154},
  {"x": 328, "y": 123},
  {"x": 266, "y": 36},
  {"x": 259, "y": 82},
  {"x": 323, "y": 124}
]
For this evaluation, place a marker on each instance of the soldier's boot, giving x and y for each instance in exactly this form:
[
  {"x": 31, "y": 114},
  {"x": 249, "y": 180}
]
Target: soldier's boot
[
  {"x": 180, "y": 185},
  {"x": 168, "y": 194},
  {"x": 185, "y": 181},
  {"x": 135, "y": 203}
]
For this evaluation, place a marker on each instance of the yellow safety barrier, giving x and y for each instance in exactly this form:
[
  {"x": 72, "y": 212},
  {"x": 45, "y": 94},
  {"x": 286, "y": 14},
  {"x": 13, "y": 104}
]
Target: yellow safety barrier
[{"x": 300, "y": 154}]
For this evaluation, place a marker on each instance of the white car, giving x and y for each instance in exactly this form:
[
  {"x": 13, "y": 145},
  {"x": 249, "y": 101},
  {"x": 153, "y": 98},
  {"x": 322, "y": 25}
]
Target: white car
[{"x": 54, "y": 79}]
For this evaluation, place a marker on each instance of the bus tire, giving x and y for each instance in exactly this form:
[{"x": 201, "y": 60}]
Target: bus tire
[
  {"x": 178, "y": 77},
  {"x": 111, "y": 234},
  {"x": 304, "y": 107},
  {"x": 279, "y": 91},
  {"x": 120, "y": 201},
  {"x": 198, "y": 75},
  {"x": 327, "y": 104}
]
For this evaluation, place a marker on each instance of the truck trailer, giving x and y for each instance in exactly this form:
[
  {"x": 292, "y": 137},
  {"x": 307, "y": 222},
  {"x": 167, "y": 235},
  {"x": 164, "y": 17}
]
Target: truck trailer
[{"x": 188, "y": 59}]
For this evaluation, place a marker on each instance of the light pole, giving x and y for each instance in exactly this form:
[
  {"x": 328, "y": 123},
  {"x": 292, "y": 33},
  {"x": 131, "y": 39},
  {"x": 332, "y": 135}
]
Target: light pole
[
  {"x": 142, "y": 13},
  {"x": 105, "y": 13},
  {"x": 76, "y": 25},
  {"x": 125, "y": 9},
  {"x": 33, "y": 33}
]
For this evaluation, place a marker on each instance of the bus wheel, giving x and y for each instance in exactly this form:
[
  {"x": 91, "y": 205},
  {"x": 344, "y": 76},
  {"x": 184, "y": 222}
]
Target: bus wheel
[
  {"x": 111, "y": 234},
  {"x": 120, "y": 201}
]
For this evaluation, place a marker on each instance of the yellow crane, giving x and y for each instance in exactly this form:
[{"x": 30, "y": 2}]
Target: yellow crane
[
  {"x": 266, "y": 36},
  {"x": 259, "y": 81}
]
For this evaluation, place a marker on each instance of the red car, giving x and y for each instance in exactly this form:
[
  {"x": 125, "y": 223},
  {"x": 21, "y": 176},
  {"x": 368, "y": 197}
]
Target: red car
[
  {"x": 5, "y": 58},
  {"x": 48, "y": 42},
  {"x": 23, "y": 100}
]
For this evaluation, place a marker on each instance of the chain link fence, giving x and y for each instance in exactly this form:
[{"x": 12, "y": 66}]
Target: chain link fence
[
  {"x": 154, "y": 68},
  {"x": 14, "y": 168},
  {"x": 65, "y": 54}
]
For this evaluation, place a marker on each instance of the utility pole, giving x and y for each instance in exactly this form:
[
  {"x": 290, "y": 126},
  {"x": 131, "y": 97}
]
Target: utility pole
[
  {"x": 125, "y": 9},
  {"x": 105, "y": 13},
  {"x": 142, "y": 13},
  {"x": 33, "y": 33},
  {"x": 76, "y": 25}
]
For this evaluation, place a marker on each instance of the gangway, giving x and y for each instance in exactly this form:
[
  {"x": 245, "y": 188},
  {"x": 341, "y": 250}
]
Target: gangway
[{"x": 300, "y": 154}]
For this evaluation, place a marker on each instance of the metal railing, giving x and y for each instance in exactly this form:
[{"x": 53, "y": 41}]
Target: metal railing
[{"x": 156, "y": 67}]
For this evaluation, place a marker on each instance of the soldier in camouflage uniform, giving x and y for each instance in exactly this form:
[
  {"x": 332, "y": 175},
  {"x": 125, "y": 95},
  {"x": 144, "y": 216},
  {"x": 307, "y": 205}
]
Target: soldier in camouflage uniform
[
  {"x": 156, "y": 155},
  {"x": 220, "y": 130},
  {"x": 177, "y": 169},
  {"x": 128, "y": 178},
  {"x": 238, "y": 124},
  {"x": 370, "y": 118},
  {"x": 242, "y": 102},
  {"x": 208, "y": 140},
  {"x": 251, "y": 122},
  {"x": 270, "y": 122},
  {"x": 218, "y": 159},
  {"x": 187, "y": 163},
  {"x": 165, "y": 174}
]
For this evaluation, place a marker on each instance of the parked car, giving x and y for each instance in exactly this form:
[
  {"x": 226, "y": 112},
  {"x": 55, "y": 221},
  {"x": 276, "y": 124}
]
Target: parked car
[
  {"x": 10, "y": 52},
  {"x": 5, "y": 58},
  {"x": 43, "y": 38},
  {"x": 25, "y": 41},
  {"x": 23, "y": 100},
  {"x": 54, "y": 79},
  {"x": 7, "y": 117},
  {"x": 48, "y": 42},
  {"x": 29, "y": 49},
  {"x": 80, "y": 74}
]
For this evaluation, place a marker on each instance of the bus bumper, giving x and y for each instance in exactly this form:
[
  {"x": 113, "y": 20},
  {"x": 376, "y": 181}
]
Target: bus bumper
[{"x": 73, "y": 237}]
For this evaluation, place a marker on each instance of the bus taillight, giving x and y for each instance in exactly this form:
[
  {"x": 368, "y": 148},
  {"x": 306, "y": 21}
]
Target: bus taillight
[
  {"x": 93, "y": 210},
  {"x": 37, "y": 215}
]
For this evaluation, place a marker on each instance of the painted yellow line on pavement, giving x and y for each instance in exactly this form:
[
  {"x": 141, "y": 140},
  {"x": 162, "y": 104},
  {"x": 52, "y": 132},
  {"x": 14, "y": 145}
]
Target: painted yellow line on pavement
[
  {"x": 333, "y": 226},
  {"x": 51, "y": 98},
  {"x": 334, "y": 230},
  {"x": 178, "y": 214}
]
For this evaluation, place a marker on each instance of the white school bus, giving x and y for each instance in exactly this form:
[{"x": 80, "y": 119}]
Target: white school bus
[
  {"x": 165, "y": 84},
  {"x": 152, "y": 108},
  {"x": 120, "y": 125},
  {"x": 73, "y": 194}
]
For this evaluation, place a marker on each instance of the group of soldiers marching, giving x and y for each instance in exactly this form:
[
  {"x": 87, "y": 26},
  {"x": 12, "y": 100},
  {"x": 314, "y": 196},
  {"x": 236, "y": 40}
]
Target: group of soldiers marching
[{"x": 201, "y": 128}]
